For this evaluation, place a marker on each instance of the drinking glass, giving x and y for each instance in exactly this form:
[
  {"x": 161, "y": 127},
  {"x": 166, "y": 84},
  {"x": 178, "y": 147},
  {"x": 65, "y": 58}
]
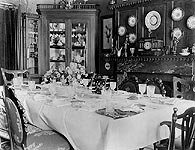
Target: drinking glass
[
  {"x": 106, "y": 95},
  {"x": 17, "y": 82},
  {"x": 52, "y": 90},
  {"x": 132, "y": 50},
  {"x": 150, "y": 90},
  {"x": 85, "y": 82},
  {"x": 31, "y": 85},
  {"x": 112, "y": 85},
  {"x": 75, "y": 86},
  {"x": 142, "y": 88}
]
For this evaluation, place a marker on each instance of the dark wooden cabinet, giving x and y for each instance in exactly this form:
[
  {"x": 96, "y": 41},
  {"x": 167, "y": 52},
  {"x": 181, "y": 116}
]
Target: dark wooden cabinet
[{"x": 81, "y": 22}]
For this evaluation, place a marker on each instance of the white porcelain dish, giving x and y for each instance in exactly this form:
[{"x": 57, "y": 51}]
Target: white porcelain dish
[
  {"x": 121, "y": 30},
  {"x": 132, "y": 21},
  {"x": 132, "y": 38},
  {"x": 191, "y": 22},
  {"x": 177, "y": 14},
  {"x": 177, "y": 33},
  {"x": 185, "y": 54},
  {"x": 153, "y": 20}
]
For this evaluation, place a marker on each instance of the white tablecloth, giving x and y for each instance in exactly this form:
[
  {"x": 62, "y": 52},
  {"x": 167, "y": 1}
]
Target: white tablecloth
[{"x": 87, "y": 130}]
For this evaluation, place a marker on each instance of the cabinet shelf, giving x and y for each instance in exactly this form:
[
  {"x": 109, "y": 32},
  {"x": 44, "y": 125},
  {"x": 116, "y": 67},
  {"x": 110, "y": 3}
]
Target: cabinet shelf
[
  {"x": 79, "y": 32},
  {"x": 57, "y": 32},
  {"x": 57, "y": 60},
  {"x": 78, "y": 47},
  {"x": 57, "y": 46}
]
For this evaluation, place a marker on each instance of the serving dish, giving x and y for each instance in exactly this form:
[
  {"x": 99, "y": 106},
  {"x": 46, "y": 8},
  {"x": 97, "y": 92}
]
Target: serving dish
[
  {"x": 185, "y": 54},
  {"x": 177, "y": 14},
  {"x": 153, "y": 20}
]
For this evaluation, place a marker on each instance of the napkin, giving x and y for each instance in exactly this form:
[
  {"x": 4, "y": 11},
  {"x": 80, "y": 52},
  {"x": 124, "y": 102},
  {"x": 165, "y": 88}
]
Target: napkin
[
  {"x": 116, "y": 114},
  {"x": 60, "y": 102},
  {"x": 138, "y": 108},
  {"x": 169, "y": 101},
  {"x": 66, "y": 91},
  {"x": 40, "y": 97}
]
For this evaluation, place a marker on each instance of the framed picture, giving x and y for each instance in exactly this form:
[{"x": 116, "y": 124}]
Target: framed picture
[{"x": 107, "y": 29}]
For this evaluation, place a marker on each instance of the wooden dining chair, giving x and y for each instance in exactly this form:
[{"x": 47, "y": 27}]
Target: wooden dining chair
[
  {"x": 26, "y": 136},
  {"x": 8, "y": 75},
  {"x": 183, "y": 88},
  {"x": 186, "y": 141},
  {"x": 159, "y": 85},
  {"x": 130, "y": 84}
]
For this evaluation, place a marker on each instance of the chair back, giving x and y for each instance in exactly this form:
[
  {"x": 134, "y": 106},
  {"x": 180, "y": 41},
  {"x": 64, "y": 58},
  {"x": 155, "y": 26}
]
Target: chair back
[
  {"x": 159, "y": 86},
  {"x": 8, "y": 75},
  {"x": 130, "y": 84},
  {"x": 183, "y": 88},
  {"x": 16, "y": 120},
  {"x": 187, "y": 128}
]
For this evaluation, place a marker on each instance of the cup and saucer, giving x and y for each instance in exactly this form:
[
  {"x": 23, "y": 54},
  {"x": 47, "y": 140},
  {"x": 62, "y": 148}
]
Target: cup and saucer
[{"x": 185, "y": 52}]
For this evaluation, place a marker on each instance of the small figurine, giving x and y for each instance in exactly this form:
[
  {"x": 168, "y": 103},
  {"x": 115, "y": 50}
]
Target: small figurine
[
  {"x": 126, "y": 44},
  {"x": 193, "y": 49}
]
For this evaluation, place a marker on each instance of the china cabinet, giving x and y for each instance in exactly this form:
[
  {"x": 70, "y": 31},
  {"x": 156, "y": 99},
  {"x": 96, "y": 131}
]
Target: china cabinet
[
  {"x": 30, "y": 29},
  {"x": 67, "y": 34}
]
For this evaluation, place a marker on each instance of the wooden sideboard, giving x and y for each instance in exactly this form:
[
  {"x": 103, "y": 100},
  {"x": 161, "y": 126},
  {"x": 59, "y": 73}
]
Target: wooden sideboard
[{"x": 162, "y": 61}]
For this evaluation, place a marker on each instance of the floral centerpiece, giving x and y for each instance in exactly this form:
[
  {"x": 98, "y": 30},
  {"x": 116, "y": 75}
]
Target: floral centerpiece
[{"x": 74, "y": 71}]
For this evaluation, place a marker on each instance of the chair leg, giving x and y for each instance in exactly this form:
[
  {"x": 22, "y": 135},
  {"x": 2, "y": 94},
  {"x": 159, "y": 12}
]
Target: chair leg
[{"x": 154, "y": 145}]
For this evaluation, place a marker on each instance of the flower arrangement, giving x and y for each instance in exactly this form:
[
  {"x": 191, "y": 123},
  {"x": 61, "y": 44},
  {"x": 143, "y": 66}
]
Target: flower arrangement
[{"x": 74, "y": 71}]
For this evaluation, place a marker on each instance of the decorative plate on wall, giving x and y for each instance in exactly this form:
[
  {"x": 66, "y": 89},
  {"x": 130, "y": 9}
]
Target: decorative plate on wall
[
  {"x": 191, "y": 22},
  {"x": 153, "y": 20},
  {"x": 121, "y": 30},
  {"x": 132, "y": 38},
  {"x": 177, "y": 33},
  {"x": 177, "y": 14},
  {"x": 132, "y": 21}
]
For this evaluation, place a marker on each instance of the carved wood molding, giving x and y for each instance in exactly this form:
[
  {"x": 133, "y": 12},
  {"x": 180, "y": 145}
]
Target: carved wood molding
[
  {"x": 153, "y": 58},
  {"x": 125, "y": 4}
]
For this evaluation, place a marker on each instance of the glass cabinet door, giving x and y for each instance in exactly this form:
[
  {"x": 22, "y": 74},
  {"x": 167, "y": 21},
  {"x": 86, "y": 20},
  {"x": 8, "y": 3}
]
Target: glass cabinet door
[
  {"x": 31, "y": 42},
  {"x": 57, "y": 51},
  {"x": 79, "y": 40}
]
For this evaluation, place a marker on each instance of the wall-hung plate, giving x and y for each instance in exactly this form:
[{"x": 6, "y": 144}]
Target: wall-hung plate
[
  {"x": 153, "y": 20},
  {"x": 177, "y": 14},
  {"x": 132, "y": 38},
  {"x": 132, "y": 21},
  {"x": 177, "y": 33},
  {"x": 191, "y": 22},
  {"x": 121, "y": 30}
]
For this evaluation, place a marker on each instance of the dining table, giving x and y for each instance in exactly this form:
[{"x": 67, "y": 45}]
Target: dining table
[{"x": 117, "y": 120}]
